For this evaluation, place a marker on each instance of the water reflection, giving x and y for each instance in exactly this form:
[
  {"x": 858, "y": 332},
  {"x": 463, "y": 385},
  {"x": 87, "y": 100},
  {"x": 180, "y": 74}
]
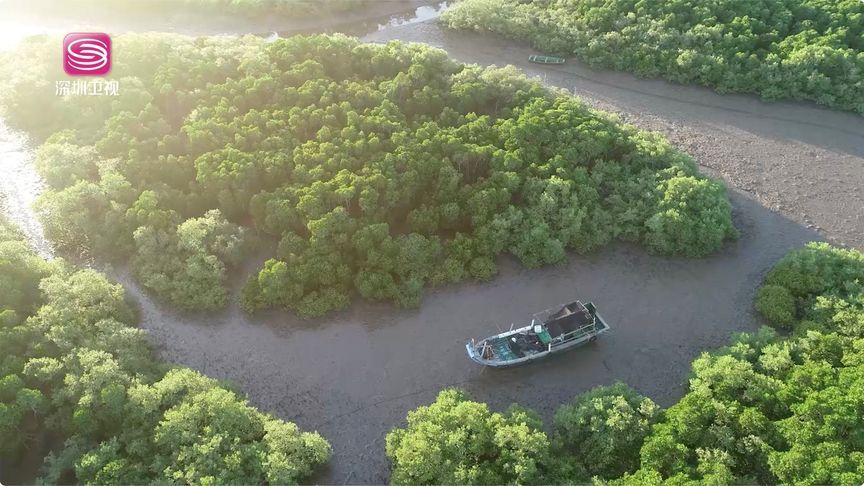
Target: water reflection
[
  {"x": 20, "y": 185},
  {"x": 422, "y": 14},
  {"x": 360, "y": 28}
]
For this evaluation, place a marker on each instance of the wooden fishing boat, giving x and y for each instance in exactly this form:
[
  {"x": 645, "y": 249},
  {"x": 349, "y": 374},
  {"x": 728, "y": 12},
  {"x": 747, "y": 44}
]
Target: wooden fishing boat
[
  {"x": 546, "y": 59},
  {"x": 551, "y": 331}
]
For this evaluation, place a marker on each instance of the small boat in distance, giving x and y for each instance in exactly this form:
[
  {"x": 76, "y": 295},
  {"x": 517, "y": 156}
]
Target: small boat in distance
[
  {"x": 551, "y": 331},
  {"x": 546, "y": 59}
]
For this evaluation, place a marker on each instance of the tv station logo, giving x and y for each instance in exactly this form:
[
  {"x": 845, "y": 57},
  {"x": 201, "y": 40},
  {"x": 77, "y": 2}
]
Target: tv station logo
[{"x": 87, "y": 54}]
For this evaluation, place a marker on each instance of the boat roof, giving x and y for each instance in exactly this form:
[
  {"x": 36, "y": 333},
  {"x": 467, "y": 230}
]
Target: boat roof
[{"x": 565, "y": 318}]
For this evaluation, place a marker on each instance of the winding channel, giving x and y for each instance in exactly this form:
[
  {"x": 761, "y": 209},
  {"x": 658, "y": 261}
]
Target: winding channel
[{"x": 353, "y": 376}]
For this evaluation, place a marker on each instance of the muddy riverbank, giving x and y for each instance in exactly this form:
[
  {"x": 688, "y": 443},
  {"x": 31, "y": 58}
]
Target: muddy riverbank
[
  {"x": 797, "y": 158},
  {"x": 353, "y": 376}
]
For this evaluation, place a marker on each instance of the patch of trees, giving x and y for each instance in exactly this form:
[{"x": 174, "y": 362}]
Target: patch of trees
[
  {"x": 81, "y": 384},
  {"x": 778, "y": 49},
  {"x": 187, "y": 261},
  {"x": 379, "y": 169},
  {"x": 458, "y": 441},
  {"x": 767, "y": 409},
  {"x": 599, "y": 431}
]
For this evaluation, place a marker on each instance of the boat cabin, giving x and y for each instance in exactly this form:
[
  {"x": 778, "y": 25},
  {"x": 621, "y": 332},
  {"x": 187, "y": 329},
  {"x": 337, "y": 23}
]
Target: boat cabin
[{"x": 548, "y": 329}]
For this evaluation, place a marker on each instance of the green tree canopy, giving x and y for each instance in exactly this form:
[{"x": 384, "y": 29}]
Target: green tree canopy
[
  {"x": 379, "y": 169},
  {"x": 457, "y": 441},
  {"x": 778, "y": 49},
  {"x": 777, "y": 410},
  {"x": 77, "y": 377},
  {"x": 601, "y": 431},
  {"x": 767, "y": 409}
]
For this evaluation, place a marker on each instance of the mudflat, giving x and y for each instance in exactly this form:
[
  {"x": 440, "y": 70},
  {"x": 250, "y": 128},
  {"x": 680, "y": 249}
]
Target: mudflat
[
  {"x": 353, "y": 376},
  {"x": 796, "y": 174},
  {"x": 794, "y": 157}
]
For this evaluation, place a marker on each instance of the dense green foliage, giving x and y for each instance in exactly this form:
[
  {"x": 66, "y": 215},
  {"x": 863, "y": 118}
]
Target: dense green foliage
[
  {"x": 457, "y": 441},
  {"x": 773, "y": 410},
  {"x": 827, "y": 284},
  {"x": 601, "y": 431},
  {"x": 380, "y": 169},
  {"x": 779, "y": 49},
  {"x": 126, "y": 198},
  {"x": 187, "y": 262},
  {"x": 776, "y": 304},
  {"x": 764, "y": 410},
  {"x": 75, "y": 377}
]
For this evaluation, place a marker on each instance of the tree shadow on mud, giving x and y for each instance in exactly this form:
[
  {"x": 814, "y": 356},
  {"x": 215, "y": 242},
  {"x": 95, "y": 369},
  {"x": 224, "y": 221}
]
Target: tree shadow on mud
[{"x": 663, "y": 311}]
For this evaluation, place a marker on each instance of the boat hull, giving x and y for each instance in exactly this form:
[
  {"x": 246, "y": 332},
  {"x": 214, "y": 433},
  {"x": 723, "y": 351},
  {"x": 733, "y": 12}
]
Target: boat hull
[
  {"x": 546, "y": 59},
  {"x": 601, "y": 328}
]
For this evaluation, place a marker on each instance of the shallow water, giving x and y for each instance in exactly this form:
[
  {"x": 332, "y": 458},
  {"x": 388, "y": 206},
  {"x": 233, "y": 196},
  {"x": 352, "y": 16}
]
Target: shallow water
[
  {"x": 421, "y": 14},
  {"x": 353, "y": 376},
  {"x": 19, "y": 187},
  {"x": 417, "y": 15}
]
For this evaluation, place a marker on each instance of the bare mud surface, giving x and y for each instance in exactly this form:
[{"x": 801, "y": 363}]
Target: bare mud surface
[{"x": 797, "y": 175}]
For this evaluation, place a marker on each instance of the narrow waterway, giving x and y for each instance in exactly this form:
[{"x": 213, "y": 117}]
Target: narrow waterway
[
  {"x": 795, "y": 157},
  {"x": 19, "y": 187},
  {"x": 353, "y": 376}
]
